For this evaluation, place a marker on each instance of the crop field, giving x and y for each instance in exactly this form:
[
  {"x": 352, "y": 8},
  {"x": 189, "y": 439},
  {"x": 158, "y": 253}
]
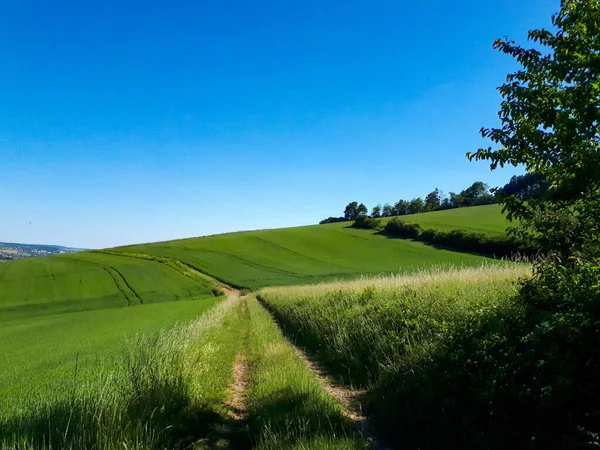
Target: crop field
[
  {"x": 133, "y": 348},
  {"x": 318, "y": 253},
  {"x": 85, "y": 281},
  {"x": 486, "y": 219},
  {"x": 63, "y": 319}
]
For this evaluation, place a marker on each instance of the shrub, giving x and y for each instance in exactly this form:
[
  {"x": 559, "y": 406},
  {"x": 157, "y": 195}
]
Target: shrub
[
  {"x": 404, "y": 229},
  {"x": 460, "y": 239},
  {"x": 368, "y": 223},
  {"x": 519, "y": 375},
  {"x": 333, "y": 220}
]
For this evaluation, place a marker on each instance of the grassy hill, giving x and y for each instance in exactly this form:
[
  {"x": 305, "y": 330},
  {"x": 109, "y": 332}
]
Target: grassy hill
[
  {"x": 61, "y": 315},
  {"x": 85, "y": 281},
  {"x": 486, "y": 219},
  {"x": 70, "y": 355},
  {"x": 287, "y": 256}
]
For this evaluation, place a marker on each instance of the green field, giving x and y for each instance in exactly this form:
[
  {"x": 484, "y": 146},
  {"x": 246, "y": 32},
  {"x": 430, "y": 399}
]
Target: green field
[
  {"x": 487, "y": 219},
  {"x": 382, "y": 334},
  {"x": 317, "y": 253},
  {"x": 68, "y": 316},
  {"x": 74, "y": 369}
]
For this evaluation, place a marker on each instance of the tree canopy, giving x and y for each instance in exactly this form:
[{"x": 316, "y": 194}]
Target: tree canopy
[{"x": 550, "y": 118}]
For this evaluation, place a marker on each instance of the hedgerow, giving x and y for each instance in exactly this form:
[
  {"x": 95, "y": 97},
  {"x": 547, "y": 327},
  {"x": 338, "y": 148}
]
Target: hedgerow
[{"x": 459, "y": 239}]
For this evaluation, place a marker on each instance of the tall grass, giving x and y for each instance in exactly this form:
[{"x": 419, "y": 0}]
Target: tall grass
[
  {"x": 287, "y": 407},
  {"x": 361, "y": 329},
  {"x": 167, "y": 393},
  {"x": 394, "y": 336}
]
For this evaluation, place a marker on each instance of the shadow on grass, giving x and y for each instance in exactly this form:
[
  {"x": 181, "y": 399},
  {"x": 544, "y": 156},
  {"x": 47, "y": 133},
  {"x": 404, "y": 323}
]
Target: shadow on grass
[
  {"x": 290, "y": 418},
  {"x": 149, "y": 403},
  {"x": 439, "y": 246},
  {"x": 340, "y": 370},
  {"x": 164, "y": 417}
]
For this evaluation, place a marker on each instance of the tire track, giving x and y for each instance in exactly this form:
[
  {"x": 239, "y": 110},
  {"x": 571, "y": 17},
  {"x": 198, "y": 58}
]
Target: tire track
[
  {"x": 292, "y": 252},
  {"x": 349, "y": 399},
  {"x": 120, "y": 275},
  {"x": 178, "y": 266},
  {"x": 119, "y": 288},
  {"x": 128, "y": 285}
]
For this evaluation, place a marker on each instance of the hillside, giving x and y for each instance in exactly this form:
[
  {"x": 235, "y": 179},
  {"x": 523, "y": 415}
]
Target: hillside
[
  {"x": 486, "y": 219},
  {"x": 72, "y": 319},
  {"x": 58, "y": 313},
  {"x": 316, "y": 253}
]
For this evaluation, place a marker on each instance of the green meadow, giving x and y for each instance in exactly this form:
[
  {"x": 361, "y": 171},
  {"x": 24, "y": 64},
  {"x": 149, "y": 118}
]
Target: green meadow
[
  {"x": 317, "y": 253},
  {"x": 134, "y": 347},
  {"x": 486, "y": 219},
  {"x": 64, "y": 318}
]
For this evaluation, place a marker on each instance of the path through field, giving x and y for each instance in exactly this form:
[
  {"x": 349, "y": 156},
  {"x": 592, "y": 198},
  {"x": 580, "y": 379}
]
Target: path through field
[{"x": 349, "y": 399}]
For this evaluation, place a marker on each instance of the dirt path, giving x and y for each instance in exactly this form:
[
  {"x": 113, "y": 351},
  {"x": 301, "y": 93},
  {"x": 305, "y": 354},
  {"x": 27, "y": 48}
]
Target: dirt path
[
  {"x": 235, "y": 434},
  {"x": 349, "y": 399},
  {"x": 236, "y": 399}
]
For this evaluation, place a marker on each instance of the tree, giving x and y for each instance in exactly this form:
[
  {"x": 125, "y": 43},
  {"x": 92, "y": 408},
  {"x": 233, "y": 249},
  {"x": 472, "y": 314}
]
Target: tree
[
  {"x": 530, "y": 186},
  {"x": 416, "y": 205},
  {"x": 351, "y": 211},
  {"x": 376, "y": 212},
  {"x": 362, "y": 210},
  {"x": 446, "y": 202},
  {"x": 455, "y": 200},
  {"x": 433, "y": 200},
  {"x": 388, "y": 210},
  {"x": 476, "y": 194},
  {"x": 401, "y": 207},
  {"x": 550, "y": 116},
  {"x": 550, "y": 124}
]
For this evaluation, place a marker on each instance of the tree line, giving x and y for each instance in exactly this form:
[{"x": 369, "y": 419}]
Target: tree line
[{"x": 525, "y": 187}]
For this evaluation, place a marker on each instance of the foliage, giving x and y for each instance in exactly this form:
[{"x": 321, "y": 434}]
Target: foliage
[
  {"x": 433, "y": 200},
  {"x": 476, "y": 194},
  {"x": 332, "y": 220},
  {"x": 376, "y": 212},
  {"x": 387, "y": 210},
  {"x": 353, "y": 210},
  {"x": 550, "y": 123},
  {"x": 400, "y": 228},
  {"x": 531, "y": 186},
  {"x": 415, "y": 206},
  {"x": 400, "y": 208},
  {"x": 459, "y": 239},
  {"x": 541, "y": 366},
  {"x": 367, "y": 223},
  {"x": 521, "y": 375}
]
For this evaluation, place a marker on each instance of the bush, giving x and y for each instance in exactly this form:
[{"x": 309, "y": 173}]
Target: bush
[
  {"x": 367, "y": 223},
  {"x": 459, "y": 239},
  {"x": 404, "y": 229},
  {"x": 519, "y": 375},
  {"x": 333, "y": 220}
]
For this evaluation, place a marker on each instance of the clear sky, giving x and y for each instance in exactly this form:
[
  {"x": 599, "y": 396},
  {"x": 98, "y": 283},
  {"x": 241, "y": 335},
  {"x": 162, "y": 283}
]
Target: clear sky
[{"x": 125, "y": 122}]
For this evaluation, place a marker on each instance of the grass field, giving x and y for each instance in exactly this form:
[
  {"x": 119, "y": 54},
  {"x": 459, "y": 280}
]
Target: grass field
[
  {"x": 86, "y": 281},
  {"x": 487, "y": 219},
  {"x": 311, "y": 254},
  {"x": 379, "y": 333},
  {"x": 287, "y": 407},
  {"x": 64, "y": 320},
  {"x": 130, "y": 347}
]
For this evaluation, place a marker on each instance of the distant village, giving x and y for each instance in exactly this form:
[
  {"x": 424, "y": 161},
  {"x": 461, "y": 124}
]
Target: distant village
[{"x": 10, "y": 251}]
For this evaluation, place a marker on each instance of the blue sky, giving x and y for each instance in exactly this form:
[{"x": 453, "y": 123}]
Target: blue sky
[{"x": 125, "y": 122}]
